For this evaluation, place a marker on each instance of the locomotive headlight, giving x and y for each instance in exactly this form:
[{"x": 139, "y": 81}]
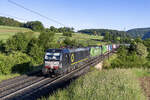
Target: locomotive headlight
[
  {"x": 56, "y": 63},
  {"x": 46, "y": 57}
]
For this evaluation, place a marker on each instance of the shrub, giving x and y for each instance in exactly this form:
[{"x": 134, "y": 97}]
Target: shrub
[
  {"x": 34, "y": 25},
  {"x": 67, "y": 34},
  {"x": 141, "y": 50},
  {"x": 2, "y": 46},
  {"x": 15, "y": 62},
  {"x": 18, "y": 42},
  {"x": 69, "y": 42},
  {"x": 129, "y": 58},
  {"x": 129, "y": 61},
  {"x": 46, "y": 39},
  {"x": 37, "y": 53},
  {"x": 6, "y": 64},
  {"x": 33, "y": 41},
  {"x": 22, "y": 62}
]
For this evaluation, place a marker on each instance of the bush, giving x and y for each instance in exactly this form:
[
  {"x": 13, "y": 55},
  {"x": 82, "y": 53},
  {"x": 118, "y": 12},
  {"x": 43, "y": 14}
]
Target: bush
[
  {"x": 33, "y": 41},
  {"x": 2, "y": 46},
  {"x": 141, "y": 50},
  {"x": 18, "y": 42},
  {"x": 46, "y": 40},
  {"x": 129, "y": 58},
  {"x": 6, "y": 64},
  {"x": 69, "y": 42},
  {"x": 15, "y": 62},
  {"x": 67, "y": 34},
  {"x": 129, "y": 61},
  {"x": 22, "y": 62},
  {"x": 37, "y": 53},
  {"x": 34, "y": 25}
]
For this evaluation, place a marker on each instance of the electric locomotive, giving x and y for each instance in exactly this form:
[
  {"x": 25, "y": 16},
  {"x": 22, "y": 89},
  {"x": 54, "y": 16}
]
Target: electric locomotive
[{"x": 59, "y": 61}]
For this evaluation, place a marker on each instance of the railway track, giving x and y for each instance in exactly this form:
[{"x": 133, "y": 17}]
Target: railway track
[
  {"x": 32, "y": 87},
  {"x": 18, "y": 78}
]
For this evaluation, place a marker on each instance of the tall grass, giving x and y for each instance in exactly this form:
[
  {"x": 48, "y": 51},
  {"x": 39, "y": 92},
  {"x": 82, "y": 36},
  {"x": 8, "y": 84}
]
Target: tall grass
[
  {"x": 114, "y": 84},
  {"x": 5, "y": 77}
]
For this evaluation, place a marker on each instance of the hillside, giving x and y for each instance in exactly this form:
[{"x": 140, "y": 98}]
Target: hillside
[
  {"x": 8, "y": 31},
  {"x": 139, "y": 32},
  {"x": 6, "y": 21},
  {"x": 102, "y": 32}
]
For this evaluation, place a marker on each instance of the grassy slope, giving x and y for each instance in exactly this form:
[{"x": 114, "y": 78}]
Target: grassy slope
[
  {"x": 114, "y": 84},
  {"x": 7, "y": 31},
  {"x": 82, "y": 38}
]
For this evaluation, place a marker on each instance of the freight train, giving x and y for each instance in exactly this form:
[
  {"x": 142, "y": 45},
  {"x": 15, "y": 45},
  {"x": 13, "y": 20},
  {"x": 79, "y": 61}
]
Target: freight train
[{"x": 59, "y": 61}]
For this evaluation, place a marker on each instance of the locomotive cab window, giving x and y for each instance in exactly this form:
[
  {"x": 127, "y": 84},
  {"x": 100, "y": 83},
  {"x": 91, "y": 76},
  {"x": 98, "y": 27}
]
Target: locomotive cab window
[{"x": 52, "y": 56}]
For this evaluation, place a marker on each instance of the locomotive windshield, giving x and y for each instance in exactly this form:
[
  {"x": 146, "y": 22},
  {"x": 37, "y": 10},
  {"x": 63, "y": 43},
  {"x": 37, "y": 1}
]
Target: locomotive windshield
[{"x": 52, "y": 56}]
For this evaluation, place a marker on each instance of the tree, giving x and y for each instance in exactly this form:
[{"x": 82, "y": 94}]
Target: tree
[
  {"x": 37, "y": 53},
  {"x": 66, "y": 29},
  {"x": 34, "y": 25},
  {"x": 138, "y": 40},
  {"x": 67, "y": 34},
  {"x": 53, "y": 29},
  {"x": 33, "y": 41},
  {"x": 107, "y": 36},
  {"x": 69, "y": 42},
  {"x": 9, "y": 22},
  {"x": 2, "y": 46},
  {"x": 46, "y": 39},
  {"x": 141, "y": 50},
  {"x": 18, "y": 42}
]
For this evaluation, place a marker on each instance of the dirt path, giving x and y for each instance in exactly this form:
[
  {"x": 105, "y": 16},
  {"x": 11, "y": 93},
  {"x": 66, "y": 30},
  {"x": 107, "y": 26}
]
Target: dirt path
[{"x": 145, "y": 83}]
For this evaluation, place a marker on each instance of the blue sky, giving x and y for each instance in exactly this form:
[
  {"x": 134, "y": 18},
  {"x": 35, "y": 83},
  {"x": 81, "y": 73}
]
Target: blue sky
[{"x": 83, "y": 14}]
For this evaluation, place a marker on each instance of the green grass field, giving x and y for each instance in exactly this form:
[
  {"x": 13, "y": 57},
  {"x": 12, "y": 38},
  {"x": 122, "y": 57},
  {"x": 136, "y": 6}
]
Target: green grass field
[
  {"x": 7, "y": 31},
  {"x": 113, "y": 84},
  {"x": 81, "y": 38}
]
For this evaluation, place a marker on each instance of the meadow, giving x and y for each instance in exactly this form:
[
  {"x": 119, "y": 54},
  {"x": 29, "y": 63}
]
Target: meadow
[
  {"x": 8, "y": 31},
  {"x": 112, "y": 84}
]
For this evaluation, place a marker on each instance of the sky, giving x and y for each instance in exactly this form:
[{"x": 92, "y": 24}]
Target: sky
[{"x": 82, "y": 14}]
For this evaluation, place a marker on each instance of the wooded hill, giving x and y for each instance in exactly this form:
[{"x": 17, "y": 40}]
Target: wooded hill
[
  {"x": 33, "y": 25},
  {"x": 143, "y": 33},
  {"x": 139, "y": 32},
  {"x": 102, "y": 32}
]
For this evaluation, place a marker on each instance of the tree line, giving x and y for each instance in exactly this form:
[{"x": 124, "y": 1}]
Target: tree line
[
  {"x": 34, "y": 25},
  {"x": 109, "y": 35}
]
